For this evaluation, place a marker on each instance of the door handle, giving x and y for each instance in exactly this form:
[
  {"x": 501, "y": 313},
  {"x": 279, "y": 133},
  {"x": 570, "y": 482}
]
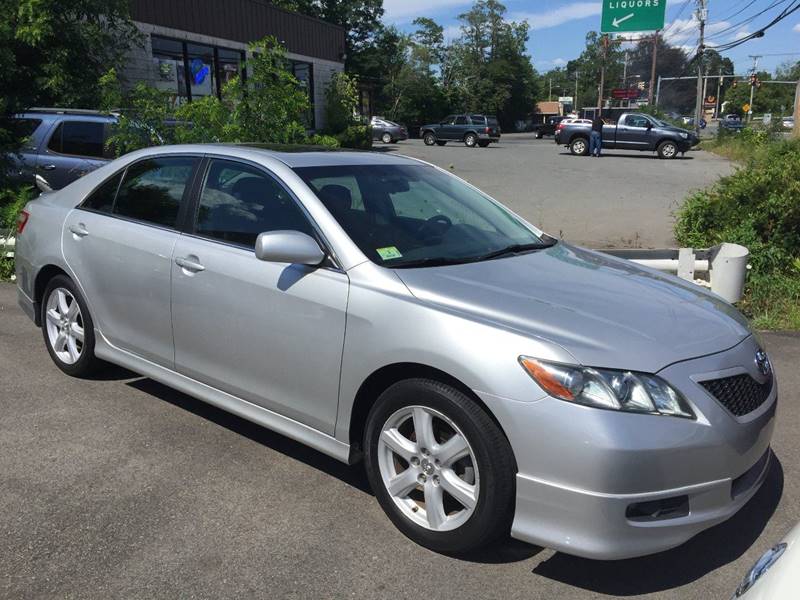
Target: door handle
[
  {"x": 189, "y": 265},
  {"x": 79, "y": 230},
  {"x": 48, "y": 167}
]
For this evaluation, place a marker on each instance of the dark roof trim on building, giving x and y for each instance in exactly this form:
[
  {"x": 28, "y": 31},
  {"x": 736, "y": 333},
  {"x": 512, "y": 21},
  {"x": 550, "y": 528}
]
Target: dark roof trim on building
[{"x": 246, "y": 21}]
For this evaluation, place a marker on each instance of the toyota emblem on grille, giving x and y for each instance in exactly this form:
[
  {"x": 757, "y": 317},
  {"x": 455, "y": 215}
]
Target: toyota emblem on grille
[{"x": 762, "y": 362}]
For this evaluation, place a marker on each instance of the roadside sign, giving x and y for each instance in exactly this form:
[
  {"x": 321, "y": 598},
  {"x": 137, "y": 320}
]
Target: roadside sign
[
  {"x": 746, "y": 108},
  {"x": 625, "y": 94},
  {"x": 632, "y": 15}
]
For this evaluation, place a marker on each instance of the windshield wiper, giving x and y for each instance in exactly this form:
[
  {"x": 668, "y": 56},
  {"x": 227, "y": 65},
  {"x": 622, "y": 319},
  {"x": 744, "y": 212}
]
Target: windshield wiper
[
  {"x": 515, "y": 249},
  {"x": 434, "y": 261}
]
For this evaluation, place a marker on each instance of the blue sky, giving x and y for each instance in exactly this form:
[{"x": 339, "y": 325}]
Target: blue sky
[{"x": 558, "y": 27}]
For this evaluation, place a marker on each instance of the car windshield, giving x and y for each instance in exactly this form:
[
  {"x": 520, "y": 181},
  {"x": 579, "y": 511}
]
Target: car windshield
[{"x": 415, "y": 215}]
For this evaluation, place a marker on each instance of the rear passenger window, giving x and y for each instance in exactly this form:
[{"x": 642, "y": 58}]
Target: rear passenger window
[
  {"x": 152, "y": 189},
  {"x": 239, "y": 202},
  {"x": 102, "y": 199},
  {"x": 461, "y": 120},
  {"x": 79, "y": 138}
]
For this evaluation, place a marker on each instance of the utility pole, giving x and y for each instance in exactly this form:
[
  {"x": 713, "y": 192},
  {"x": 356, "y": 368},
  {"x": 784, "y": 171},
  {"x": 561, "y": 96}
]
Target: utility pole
[
  {"x": 625, "y": 71},
  {"x": 796, "y": 131},
  {"x": 575, "y": 103},
  {"x": 702, "y": 15},
  {"x": 550, "y": 93},
  {"x": 719, "y": 91},
  {"x": 602, "y": 77},
  {"x": 752, "y": 87},
  {"x": 653, "y": 71}
]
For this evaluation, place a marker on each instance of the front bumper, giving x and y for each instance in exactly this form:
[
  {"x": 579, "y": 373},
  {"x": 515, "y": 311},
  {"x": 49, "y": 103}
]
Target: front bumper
[{"x": 581, "y": 469}]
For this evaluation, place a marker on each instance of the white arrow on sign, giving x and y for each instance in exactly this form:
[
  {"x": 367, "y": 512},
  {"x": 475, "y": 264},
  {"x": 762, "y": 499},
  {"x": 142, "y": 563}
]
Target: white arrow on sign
[{"x": 616, "y": 22}]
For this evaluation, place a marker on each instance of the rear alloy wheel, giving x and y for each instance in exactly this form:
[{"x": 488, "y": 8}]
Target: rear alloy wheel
[
  {"x": 386, "y": 138},
  {"x": 429, "y": 139},
  {"x": 579, "y": 147},
  {"x": 470, "y": 140},
  {"x": 68, "y": 329},
  {"x": 667, "y": 150},
  {"x": 439, "y": 466}
]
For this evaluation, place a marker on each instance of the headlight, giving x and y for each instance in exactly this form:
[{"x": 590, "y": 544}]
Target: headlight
[
  {"x": 605, "y": 388},
  {"x": 763, "y": 564},
  {"x": 685, "y": 135}
]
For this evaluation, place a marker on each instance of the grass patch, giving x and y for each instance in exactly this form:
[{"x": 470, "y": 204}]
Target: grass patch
[{"x": 758, "y": 207}]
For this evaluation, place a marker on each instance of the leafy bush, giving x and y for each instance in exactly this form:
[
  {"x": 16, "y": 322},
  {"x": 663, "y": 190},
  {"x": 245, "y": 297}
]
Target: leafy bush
[
  {"x": 12, "y": 201},
  {"x": 759, "y": 207},
  {"x": 328, "y": 141},
  {"x": 206, "y": 120},
  {"x": 358, "y": 137},
  {"x": 341, "y": 97}
]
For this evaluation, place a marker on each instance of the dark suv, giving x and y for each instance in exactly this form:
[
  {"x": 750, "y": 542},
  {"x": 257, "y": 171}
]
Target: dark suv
[
  {"x": 548, "y": 127},
  {"x": 473, "y": 130},
  {"x": 60, "y": 145}
]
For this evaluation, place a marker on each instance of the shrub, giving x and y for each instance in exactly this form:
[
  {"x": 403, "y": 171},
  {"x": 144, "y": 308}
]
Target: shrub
[
  {"x": 759, "y": 207},
  {"x": 12, "y": 201},
  {"x": 341, "y": 97},
  {"x": 358, "y": 137},
  {"x": 328, "y": 141}
]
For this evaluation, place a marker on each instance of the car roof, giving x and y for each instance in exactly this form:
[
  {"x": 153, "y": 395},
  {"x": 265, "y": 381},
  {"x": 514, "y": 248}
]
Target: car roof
[{"x": 293, "y": 156}]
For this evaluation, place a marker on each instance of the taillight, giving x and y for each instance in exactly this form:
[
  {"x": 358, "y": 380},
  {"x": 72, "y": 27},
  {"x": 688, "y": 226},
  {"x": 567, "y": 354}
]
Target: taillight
[
  {"x": 22, "y": 220},
  {"x": 488, "y": 130}
]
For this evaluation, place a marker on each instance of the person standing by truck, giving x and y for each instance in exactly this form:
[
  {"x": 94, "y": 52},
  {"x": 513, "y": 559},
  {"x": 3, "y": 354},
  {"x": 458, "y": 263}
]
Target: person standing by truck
[{"x": 596, "y": 139}]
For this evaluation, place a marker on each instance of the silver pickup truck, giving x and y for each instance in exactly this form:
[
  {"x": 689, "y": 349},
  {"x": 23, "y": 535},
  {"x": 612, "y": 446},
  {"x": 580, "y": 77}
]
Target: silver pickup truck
[{"x": 633, "y": 131}]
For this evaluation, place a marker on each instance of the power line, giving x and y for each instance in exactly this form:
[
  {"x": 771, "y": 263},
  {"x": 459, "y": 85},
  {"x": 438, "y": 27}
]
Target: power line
[
  {"x": 760, "y": 33},
  {"x": 750, "y": 19}
]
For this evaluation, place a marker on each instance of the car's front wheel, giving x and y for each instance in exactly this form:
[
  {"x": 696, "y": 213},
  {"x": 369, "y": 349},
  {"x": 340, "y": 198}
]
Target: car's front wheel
[
  {"x": 429, "y": 139},
  {"x": 439, "y": 466},
  {"x": 667, "y": 150},
  {"x": 68, "y": 328},
  {"x": 386, "y": 138}
]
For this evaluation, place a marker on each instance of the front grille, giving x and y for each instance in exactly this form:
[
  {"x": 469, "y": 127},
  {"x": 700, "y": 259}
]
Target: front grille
[{"x": 740, "y": 394}]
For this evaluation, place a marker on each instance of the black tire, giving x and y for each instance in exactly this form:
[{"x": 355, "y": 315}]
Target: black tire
[
  {"x": 440, "y": 143},
  {"x": 429, "y": 138},
  {"x": 579, "y": 146},
  {"x": 88, "y": 363},
  {"x": 470, "y": 140},
  {"x": 484, "y": 144},
  {"x": 667, "y": 150},
  {"x": 539, "y": 135},
  {"x": 494, "y": 510},
  {"x": 386, "y": 138}
]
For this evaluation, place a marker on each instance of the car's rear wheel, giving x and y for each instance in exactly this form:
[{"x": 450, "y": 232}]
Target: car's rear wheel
[
  {"x": 439, "y": 466},
  {"x": 470, "y": 140},
  {"x": 429, "y": 139},
  {"x": 539, "y": 135},
  {"x": 68, "y": 328},
  {"x": 667, "y": 150},
  {"x": 579, "y": 147},
  {"x": 386, "y": 138}
]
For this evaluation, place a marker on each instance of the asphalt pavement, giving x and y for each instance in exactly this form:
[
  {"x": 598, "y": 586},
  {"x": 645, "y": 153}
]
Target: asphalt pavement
[
  {"x": 625, "y": 199},
  {"x": 119, "y": 487}
]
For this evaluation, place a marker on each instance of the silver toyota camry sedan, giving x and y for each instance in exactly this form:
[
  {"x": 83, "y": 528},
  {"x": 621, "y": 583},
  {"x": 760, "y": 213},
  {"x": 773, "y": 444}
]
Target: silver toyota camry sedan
[{"x": 493, "y": 379}]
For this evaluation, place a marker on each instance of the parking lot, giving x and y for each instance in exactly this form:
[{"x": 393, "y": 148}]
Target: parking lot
[
  {"x": 119, "y": 487},
  {"x": 624, "y": 199}
]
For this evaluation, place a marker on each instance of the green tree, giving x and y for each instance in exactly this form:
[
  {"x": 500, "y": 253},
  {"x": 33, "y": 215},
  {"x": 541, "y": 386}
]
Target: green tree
[
  {"x": 589, "y": 65},
  {"x": 52, "y": 53},
  {"x": 341, "y": 103}
]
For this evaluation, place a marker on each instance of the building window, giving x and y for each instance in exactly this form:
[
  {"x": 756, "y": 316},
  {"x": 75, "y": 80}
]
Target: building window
[
  {"x": 169, "y": 69},
  {"x": 304, "y": 73},
  {"x": 189, "y": 70}
]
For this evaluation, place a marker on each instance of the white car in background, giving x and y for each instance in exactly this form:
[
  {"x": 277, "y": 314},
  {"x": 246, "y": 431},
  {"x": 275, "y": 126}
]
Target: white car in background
[{"x": 776, "y": 575}]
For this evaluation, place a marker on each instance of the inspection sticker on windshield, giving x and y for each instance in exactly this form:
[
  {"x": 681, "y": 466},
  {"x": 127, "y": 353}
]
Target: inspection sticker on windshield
[{"x": 389, "y": 253}]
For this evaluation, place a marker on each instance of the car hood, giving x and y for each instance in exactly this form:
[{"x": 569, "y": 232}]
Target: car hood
[{"x": 605, "y": 311}]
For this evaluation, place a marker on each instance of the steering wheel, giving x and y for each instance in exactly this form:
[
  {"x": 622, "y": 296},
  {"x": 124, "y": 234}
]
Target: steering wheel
[{"x": 437, "y": 225}]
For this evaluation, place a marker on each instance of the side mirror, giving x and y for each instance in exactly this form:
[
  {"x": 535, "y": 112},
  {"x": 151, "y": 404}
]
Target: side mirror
[
  {"x": 290, "y": 247},
  {"x": 649, "y": 125}
]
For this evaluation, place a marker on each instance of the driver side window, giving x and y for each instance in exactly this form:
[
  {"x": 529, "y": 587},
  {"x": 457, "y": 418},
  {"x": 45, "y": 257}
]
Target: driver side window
[{"x": 636, "y": 121}]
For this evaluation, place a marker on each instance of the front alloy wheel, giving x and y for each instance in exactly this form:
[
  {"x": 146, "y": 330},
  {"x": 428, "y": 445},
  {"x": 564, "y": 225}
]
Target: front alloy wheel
[
  {"x": 435, "y": 485},
  {"x": 668, "y": 150},
  {"x": 386, "y": 138},
  {"x": 440, "y": 467},
  {"x": 429, "y": 139}
]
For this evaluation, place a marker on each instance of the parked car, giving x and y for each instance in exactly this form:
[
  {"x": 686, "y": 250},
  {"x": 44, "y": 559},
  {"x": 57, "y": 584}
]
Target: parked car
[
  {"x": 731, "y": 122},
  {"x": 633, "y": 131},
  {"x": 787, "y": 122},
  {"x": 374, "y": 307},
  {"x": 776, "y": 574},
  {"x": 387, "y": 131},
  {"x": 472, "y": 129},
  {"x": 61, "y": 145},
  {"x": 548, "y": 127}
]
